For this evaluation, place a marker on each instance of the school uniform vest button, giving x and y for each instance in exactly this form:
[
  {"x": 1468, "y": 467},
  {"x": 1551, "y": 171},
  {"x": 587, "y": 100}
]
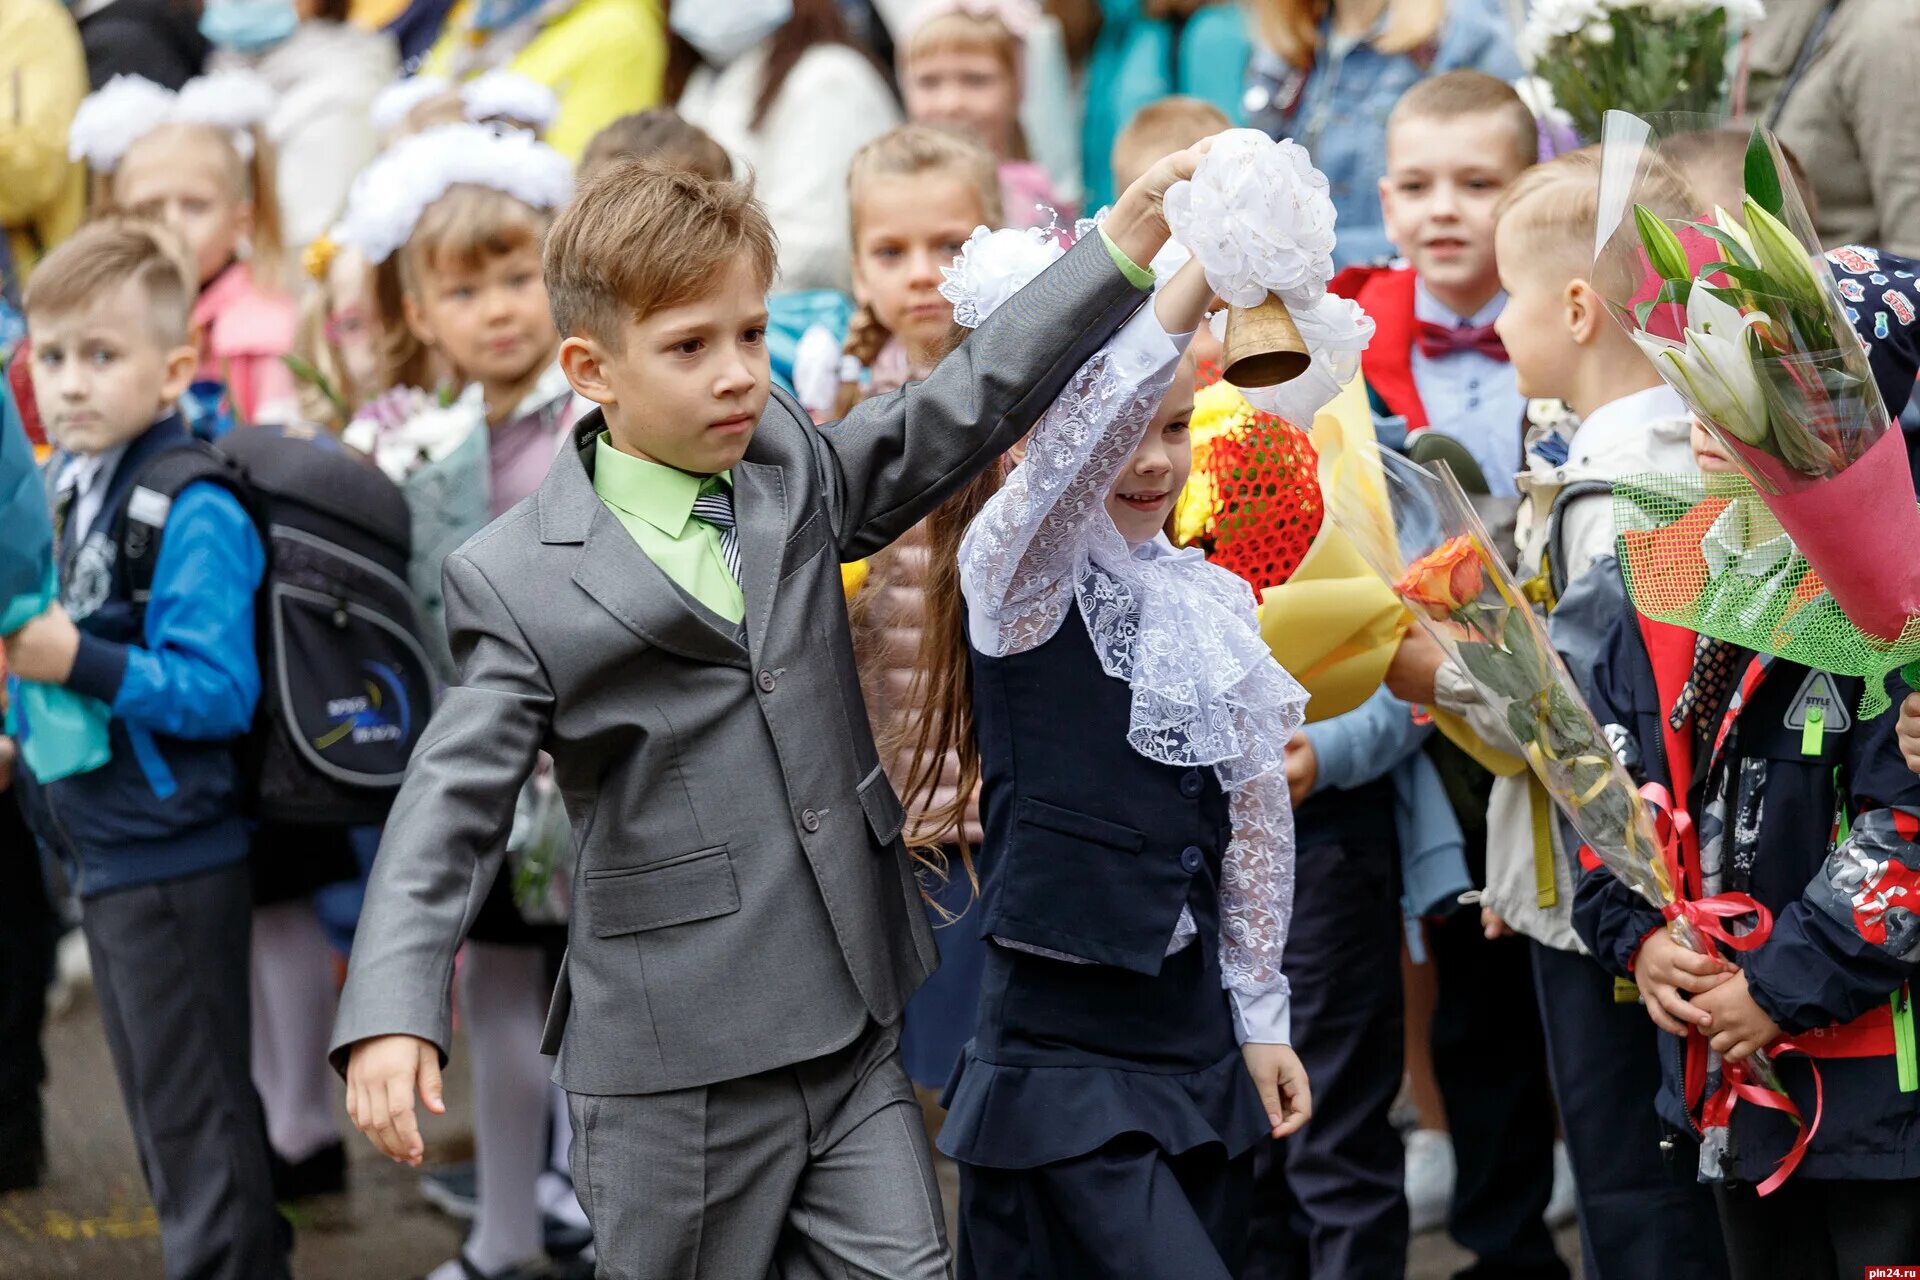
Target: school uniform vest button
[
  {"x": 809, "y": 821},
  {"x": 767, "y": 681},
  {"x": 1191, "y": 858},
  {"x": 1190, "y": 784}
]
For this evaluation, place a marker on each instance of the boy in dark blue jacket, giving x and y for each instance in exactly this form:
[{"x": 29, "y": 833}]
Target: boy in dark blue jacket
[
  {"x": 154, "y": 840},
  {"x": 1811, "y": 811}
]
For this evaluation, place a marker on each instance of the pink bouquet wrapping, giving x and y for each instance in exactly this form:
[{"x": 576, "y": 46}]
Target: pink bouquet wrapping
[{"x": 1740, "y": 314}]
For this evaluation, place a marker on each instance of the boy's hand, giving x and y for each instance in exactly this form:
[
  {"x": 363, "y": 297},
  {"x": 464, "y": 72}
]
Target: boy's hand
[
  {"x": 1739, "y": 1026},
  {"x": 1907, "y": 730},
  {"x": 44, "y": 649},
  {"x": 382, "y": 1073},
  {"x": 1303, "y": 766},
  {"x": 1137, "y": 223},
  {"x": 1492, "y": 926},
  {"x": 1282, "y": 1082},
  {"x": 1415, "y": 663},
  {"x": 1667, "y": 972}
]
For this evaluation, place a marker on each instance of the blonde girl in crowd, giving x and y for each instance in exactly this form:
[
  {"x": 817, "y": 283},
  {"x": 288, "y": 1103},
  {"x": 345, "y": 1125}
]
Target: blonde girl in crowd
[
  {"x": 199, "y": 162},
  {"x": 963, "y": 64},
  {"x": 335, "y": 342},
  {"x": 452, "y": 221}
]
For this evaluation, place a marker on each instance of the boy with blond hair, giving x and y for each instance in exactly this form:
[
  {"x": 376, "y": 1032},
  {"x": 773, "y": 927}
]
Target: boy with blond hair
[
  {"x": 1641, "y": 1212},
  {"x": 1159, "y": 129},
  {"x": 154, "y": 841},
  {"x": 665, "y": 619}
]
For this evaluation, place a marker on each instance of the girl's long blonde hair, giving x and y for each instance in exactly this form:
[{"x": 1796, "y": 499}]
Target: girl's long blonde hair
[
  {"x": 910, "y": 151},
  {"x": 1291, "y": 28},
  {"x": 252, "y": 179},
  {"x": 466, "y": 226}
]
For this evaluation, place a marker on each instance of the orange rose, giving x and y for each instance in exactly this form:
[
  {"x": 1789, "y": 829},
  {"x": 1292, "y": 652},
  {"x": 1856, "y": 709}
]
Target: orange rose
[{"x": 1441, "y": 581}]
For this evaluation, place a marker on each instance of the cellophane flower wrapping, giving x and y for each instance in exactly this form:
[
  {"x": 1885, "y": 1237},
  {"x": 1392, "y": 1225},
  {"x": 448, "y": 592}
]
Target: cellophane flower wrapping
[
  {"x": 61, "y": 733},
  {"x": 1739, "y": 312},
  {"x": 436, "y": 449},
  {"x": 1633, "y": 55}
]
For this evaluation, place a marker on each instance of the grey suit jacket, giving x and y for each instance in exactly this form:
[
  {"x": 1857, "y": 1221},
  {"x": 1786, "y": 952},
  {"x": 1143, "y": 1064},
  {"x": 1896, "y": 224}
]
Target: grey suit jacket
[{"x": 743, "y": 899}]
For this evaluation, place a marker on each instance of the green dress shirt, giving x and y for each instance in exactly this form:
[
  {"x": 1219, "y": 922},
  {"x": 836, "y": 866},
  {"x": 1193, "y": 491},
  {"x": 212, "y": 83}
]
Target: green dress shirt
[{"x": 655, "y": 504}]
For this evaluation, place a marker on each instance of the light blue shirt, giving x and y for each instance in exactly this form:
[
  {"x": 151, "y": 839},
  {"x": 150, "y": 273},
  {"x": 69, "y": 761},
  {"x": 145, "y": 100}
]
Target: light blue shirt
[{"x": 1471, "y": 397}]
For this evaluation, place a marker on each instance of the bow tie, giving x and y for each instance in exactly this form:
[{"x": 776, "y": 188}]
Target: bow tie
[{"x": 1439, "y": 340}]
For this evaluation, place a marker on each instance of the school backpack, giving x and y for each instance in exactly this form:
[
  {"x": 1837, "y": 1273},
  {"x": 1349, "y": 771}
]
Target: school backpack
[{"x": 346, "y": 686}]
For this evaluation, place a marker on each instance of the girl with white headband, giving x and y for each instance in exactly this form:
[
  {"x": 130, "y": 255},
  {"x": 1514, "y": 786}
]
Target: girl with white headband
[{"x": 199, "y": 162}]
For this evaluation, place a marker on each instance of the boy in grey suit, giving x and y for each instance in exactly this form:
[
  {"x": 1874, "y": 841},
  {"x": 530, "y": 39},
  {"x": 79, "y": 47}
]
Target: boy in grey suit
[{"x": 664, "y": 617}]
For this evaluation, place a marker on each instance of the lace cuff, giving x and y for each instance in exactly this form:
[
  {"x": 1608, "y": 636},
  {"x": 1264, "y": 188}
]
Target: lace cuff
[{"x": 1256, "y": 899}]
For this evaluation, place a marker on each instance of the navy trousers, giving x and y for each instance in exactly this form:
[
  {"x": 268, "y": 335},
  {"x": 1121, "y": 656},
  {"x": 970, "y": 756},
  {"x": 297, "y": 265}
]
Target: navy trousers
[
  {"x": 1330, "y": 1201},
  {"x": 1642, "y": 1211}
]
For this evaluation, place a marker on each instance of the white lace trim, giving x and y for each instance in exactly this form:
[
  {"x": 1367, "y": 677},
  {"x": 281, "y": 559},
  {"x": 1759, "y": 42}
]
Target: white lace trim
[{"x": 1182, "y": 633}]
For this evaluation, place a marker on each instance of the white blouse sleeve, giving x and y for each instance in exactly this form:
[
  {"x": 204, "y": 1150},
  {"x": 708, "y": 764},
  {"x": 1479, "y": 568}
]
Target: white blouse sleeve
[
  {"x": 1024, "y": 553},
  {"x": 1256, "y": 907}
]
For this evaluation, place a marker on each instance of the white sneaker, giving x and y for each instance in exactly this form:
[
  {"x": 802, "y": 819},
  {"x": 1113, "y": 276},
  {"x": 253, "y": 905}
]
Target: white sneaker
[
  {"x": 1429, "y": 1178},
  {"x": 1560, "y": 1207}
]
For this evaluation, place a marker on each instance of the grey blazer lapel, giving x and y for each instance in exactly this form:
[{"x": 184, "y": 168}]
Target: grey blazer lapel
[
  {"x": 613, "y": 569},
  {"x": 760, "y": 519}
]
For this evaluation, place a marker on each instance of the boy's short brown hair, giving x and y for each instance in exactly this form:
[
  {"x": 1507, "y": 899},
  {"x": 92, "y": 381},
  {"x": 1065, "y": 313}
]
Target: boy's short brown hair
[
  {"x": 107, "y": 253},
  {"x": 660, "y": 134},
  {"x": 1453, "y": 94},
  {"x": 1159, "y": 129},
  {"x": 640, "y": 237}
]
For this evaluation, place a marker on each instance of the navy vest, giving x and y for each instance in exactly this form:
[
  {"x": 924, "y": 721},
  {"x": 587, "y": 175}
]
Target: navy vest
[{"x": 1092, "y": 849}]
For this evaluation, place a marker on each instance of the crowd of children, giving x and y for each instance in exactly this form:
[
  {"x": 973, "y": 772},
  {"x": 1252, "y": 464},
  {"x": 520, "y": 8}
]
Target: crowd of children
[{"x": 826, "y": 764}]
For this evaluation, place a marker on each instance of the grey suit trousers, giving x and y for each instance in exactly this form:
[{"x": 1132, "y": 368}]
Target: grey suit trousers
[{"x": 817, "y": 1171}]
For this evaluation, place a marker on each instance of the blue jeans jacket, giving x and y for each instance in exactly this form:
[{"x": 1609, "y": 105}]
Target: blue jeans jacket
[{"x": 1338, "y": 111}]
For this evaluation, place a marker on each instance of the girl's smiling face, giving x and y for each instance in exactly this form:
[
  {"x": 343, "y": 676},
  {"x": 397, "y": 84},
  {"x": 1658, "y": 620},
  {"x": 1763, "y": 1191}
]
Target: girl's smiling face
[{"x": 1143, "y": 493}]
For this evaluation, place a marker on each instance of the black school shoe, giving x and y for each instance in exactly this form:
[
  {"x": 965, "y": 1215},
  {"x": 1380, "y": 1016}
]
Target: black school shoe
[
  {"x": 23, "y": 1156},
  {"x": 324, "y": 1173}
]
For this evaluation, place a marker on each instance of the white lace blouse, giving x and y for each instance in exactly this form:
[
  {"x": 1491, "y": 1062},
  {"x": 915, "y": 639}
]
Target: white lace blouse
[{"x": 1182, "y": 633}]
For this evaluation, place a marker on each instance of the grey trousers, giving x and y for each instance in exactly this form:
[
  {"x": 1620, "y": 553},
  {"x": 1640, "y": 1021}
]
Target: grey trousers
[
  {"x": 817, "y": 1171},
  {"x": 170, "y": 972}
]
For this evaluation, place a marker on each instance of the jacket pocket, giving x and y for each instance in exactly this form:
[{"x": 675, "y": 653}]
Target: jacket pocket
[
  {"x": 885, "y": 816},
  {"x": 1074, "y": 883},
  {"x": 805, "y": 543},
  {"x": 696, "y": 886}
]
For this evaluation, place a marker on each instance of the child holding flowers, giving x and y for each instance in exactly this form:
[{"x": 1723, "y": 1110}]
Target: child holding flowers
[
  {"x": 1768, "y": 758},
  {"x": 1564, "y": 345}
]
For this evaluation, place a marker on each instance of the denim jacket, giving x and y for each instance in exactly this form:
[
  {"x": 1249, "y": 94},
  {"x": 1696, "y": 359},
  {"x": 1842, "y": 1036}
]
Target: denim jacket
[{"x": 1338, "y": 110}]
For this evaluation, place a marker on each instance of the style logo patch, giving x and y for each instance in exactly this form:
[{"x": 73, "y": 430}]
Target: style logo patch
[
  {"x": 1820, "y": 691},
  {"x": 89, "y": 577}
]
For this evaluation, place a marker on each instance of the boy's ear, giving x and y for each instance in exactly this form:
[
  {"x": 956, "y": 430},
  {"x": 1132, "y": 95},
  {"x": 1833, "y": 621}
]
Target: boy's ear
[
  {"x": 181, "y": 364},
  {"x": 1585, "y": 312},
  {"x": 584, "y": 363}
]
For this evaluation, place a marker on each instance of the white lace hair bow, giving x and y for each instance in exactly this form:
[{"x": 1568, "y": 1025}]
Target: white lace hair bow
[
  {"x": 389, "y": 195},
  {"x": 393, "y": 104},
  {"x": 127, "y": 108},
  {"x": 507, "y": 95}
]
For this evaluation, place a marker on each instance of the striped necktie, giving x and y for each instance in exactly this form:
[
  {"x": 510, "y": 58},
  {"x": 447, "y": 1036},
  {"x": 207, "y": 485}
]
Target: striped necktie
[{"x": 715, "y": 506}]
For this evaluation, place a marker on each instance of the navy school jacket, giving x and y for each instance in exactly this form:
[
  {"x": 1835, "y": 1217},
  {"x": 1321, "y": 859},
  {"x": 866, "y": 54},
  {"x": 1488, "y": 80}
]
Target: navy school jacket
[{"x": 1846, "y": 931}]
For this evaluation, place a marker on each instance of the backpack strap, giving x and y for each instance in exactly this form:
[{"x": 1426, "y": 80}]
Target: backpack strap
[
  {"x": 149, "y": 500},
  {"x": 1553, "y": 558}
]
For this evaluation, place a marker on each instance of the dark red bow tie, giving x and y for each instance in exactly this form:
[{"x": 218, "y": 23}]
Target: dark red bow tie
[{"x": 1438, "y": 340}]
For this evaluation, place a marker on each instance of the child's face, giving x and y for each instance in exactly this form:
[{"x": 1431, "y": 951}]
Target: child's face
[
  {"x": 1143, "y": 494},
  {"x": 909, "y": 228},
  {"x": 100, "y": 375},
  {"x": 350, "y": 319},
  {"x": 182, "y": 180},
  {"x": 969, "y": 88},
  {"x": 688, "y": 384},
  {"x": 1709, "y": 454},
  {"x": 1534, "y": 325},
  {"x": 488, "y": 318},
  {"x": 1443, "y": 179}
]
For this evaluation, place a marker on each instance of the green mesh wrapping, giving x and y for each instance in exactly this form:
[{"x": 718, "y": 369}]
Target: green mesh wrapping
[{"x": 1704, "y": 553}]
